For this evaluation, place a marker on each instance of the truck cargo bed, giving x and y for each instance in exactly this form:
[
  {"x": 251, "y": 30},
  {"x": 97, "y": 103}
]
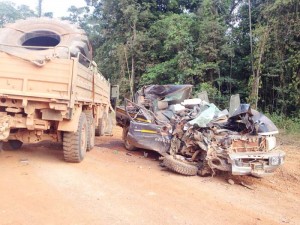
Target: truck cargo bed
[
  {"x": 59, "y": 79},
  {"x": 22, "y": 78}
]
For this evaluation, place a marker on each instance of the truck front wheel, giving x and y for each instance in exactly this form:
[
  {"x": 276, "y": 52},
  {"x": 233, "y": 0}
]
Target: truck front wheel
[{"x": 75, "y": 143}]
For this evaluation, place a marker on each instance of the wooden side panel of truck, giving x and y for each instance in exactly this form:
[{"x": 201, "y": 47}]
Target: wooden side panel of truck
[{"x": 47, "y": 102}]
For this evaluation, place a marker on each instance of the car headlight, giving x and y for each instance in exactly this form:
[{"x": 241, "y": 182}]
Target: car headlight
[
  {"x": 274, "y": 160},
  {"x": 270, "y": 143}
]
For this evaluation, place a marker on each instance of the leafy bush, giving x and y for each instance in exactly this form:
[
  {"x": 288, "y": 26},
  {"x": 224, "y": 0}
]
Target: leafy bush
[{"x": 289, "y": 125}]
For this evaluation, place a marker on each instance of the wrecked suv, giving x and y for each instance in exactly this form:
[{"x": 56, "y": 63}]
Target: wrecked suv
[{"x": 194, "y": 136}]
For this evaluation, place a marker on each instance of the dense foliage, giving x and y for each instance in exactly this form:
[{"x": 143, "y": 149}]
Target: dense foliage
[
  {"x": 224, "y": 47},
  {"x": 205, "y": 43}
]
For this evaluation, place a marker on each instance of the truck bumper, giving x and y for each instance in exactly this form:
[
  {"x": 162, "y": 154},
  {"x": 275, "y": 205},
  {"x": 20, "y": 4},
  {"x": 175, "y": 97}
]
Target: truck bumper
[{"x": 256, "y": 164}]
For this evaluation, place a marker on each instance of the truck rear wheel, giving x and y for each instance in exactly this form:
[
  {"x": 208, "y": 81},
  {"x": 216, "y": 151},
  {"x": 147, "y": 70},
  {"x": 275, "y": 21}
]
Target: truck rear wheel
[
  {"x": 91, "y": 130},
  {"x": 75, "y": 143},
  {"x": 99, "y": 131}
]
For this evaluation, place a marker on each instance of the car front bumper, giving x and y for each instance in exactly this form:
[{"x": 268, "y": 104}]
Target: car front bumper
[{"x": 258, "y": 164}]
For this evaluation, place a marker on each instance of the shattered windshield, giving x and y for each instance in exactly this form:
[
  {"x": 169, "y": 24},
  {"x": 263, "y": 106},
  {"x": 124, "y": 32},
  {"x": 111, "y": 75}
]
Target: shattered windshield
[{"x": 209, "y": 112}]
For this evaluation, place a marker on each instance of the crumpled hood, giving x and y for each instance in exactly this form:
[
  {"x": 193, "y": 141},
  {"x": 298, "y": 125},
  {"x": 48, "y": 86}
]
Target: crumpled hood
[{"x": 171, "y": 93}]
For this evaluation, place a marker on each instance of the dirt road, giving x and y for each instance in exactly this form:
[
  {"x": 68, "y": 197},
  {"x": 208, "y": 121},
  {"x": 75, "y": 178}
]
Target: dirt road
[{"x": 112, "y": 186}]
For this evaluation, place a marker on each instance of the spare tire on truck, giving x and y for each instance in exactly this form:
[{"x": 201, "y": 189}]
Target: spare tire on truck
[{"x": 59, "y": 38}]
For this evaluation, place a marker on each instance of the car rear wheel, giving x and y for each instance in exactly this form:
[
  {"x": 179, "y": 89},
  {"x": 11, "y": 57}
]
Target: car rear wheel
[{"x": 127, "y": 145}]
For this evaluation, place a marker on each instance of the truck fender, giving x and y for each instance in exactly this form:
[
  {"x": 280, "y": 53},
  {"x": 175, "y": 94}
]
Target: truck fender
[{"x": 72, "y": 124}]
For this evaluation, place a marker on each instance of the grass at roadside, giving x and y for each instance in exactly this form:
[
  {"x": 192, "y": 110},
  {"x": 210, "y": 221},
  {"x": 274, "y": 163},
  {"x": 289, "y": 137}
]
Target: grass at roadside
[
  {"x": 287, "y": 125},
  {"x": 288, "y": 138}
]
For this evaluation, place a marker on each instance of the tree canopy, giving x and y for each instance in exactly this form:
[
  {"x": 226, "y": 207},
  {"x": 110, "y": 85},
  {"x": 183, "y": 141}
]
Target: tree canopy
[{"x": 224, "y": 47}]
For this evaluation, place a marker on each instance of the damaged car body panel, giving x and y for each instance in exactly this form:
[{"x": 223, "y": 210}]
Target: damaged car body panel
[
  {"x": 145, "y": 130},
  {"x": 194, "y": 135},
  {"x": 148, "y": 136}
]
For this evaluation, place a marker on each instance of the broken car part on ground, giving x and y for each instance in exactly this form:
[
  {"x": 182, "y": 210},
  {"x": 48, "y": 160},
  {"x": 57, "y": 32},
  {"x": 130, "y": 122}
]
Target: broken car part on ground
[{"x": 194, "y": 136}]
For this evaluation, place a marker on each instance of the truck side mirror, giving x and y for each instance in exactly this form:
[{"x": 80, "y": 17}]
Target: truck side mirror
[
  {"x": 115, "y": 91},
  {"x": 114, "y": 95}
]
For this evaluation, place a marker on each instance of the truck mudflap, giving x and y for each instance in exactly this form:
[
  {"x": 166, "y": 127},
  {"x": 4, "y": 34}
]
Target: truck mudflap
[
  {"x": 4, "y": 127},
  {"x": 258, "y": 164}
]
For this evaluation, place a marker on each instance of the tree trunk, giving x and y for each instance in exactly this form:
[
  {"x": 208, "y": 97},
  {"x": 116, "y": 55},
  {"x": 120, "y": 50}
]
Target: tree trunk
[
  {"x": 40, "y": 8},
  {"x": 133, "y": 61},
  {"x": 250, "y": 34},
  {"x": 257, "y": 70}
]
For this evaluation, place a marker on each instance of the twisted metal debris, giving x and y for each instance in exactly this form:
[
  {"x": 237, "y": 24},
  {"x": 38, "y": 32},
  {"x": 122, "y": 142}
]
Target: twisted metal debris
[{"x": 194, "y": 135}]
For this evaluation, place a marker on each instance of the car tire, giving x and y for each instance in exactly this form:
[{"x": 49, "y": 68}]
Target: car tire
[
  {"x": 127, "y": 145},
  {"x": 179, "y": 166}
]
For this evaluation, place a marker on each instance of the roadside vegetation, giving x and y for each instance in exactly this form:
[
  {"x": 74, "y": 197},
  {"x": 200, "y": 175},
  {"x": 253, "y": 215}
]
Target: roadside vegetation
[
  {"x": 286, "y": 124},
  {"x": 224, "y": 47}
]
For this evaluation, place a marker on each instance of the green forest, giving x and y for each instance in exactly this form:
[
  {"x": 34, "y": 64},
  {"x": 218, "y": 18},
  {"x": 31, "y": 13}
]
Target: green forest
[{"x": 222, "y": 46}]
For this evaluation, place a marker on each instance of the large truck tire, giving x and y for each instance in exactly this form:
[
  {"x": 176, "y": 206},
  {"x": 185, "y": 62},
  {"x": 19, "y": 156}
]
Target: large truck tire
[
  {"x": 99, "y": 130},
  {"x": 111, "y": 122},
  {"x": 179, "y": 166},
  {"x": 102, "y": 123},
  {"x": 48, "y": 32},
  {"x": 91, "y": 130},
  {"x": 75, "y": 143}
]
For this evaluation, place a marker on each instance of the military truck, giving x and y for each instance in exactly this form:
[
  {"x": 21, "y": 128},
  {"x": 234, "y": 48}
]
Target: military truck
[{"x": 50, "y": 89}]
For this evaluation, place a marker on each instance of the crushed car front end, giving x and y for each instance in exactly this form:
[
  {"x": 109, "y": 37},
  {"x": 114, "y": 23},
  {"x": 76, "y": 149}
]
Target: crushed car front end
[
  {"x": 245, "y": 144},
  {"x": 264, "y": 160},
  {"x": 194, "y": 136},
  {"x": 265, "y": 156},
  {"x": 257, "y": 164}
]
